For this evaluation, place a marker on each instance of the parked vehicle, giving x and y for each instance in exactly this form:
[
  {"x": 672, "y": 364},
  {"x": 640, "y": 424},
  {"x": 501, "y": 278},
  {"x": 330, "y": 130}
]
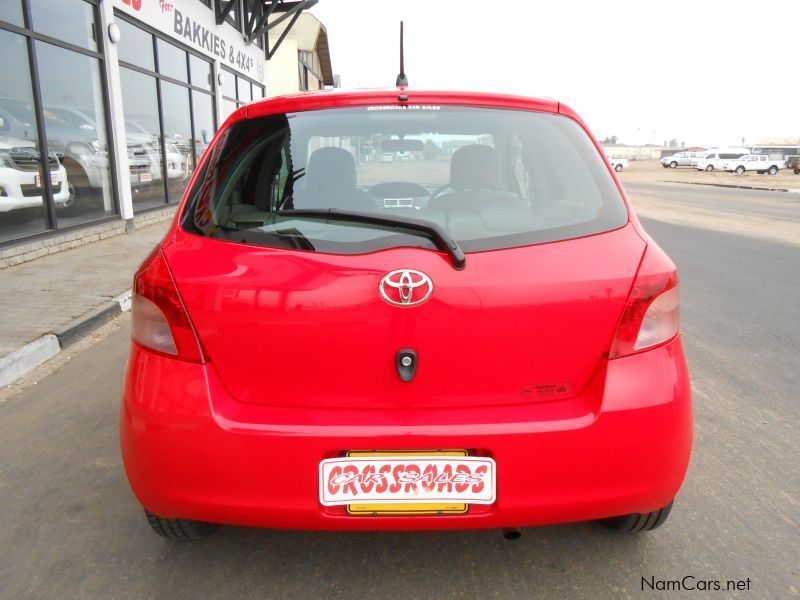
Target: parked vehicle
[
  {"x": 617, "y": 163},
  {"x": 680, "y": 159},
  {"x": 717, "y": 159},
  {"x": 793, "y": 163},
  {"x": 760, "y": 163},
  {"x": 307, "y": 356},
  {"x": 21, "y": 186},
  {"x": 73, "y": 136},
  {"x": 387, "y": 157}
]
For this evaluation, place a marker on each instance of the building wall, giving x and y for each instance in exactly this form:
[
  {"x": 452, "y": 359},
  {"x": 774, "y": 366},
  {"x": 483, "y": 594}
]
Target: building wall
[{"x": 282, "y": 75}]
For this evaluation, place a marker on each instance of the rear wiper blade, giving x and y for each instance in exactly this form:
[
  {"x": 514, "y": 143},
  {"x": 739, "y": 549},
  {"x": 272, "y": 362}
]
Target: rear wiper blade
[{"x": 426, "y": 229}]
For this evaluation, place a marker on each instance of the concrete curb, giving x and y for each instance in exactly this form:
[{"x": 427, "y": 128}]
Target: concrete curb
[
  {"x": 734, "y": 186},
  {"x": 31, "y": 355}
]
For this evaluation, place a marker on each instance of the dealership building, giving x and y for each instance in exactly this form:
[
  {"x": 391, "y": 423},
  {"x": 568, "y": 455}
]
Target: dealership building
[{"x": 107, "y": 105}]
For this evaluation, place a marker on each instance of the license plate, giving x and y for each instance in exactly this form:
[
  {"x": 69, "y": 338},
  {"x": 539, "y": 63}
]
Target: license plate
[
  {"x": 418, "y": 482},
  {"x": 55, "y": 181},
  {"x": 145, "y": 177}
]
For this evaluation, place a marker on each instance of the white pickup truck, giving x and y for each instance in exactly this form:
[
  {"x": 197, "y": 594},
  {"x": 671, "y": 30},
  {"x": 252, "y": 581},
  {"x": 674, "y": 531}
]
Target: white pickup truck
[
  {"x": 760, "y": 163},
  {"x": 617, "y": 163}
]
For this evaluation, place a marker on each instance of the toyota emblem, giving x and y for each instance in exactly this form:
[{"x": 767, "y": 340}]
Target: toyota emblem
[{"x": 405, "y": 287}]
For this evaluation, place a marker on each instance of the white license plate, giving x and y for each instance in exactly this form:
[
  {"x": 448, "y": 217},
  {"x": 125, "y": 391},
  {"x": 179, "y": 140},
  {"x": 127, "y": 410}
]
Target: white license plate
[
  {"x": 407, "y": 480},
  {"x": 55, "y": 180},
  {"x": 145, "y": 177}
]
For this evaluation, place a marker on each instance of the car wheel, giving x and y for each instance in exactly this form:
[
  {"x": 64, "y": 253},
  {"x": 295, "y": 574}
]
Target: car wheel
[
  {"x": 797, "y": 171},
  {"x": 182, "y": 530},
  {"x": 710, "y": 168},
  {"x": 673, "y": 165},
  {"x": 637, "y": 522},
  {"x": 740, "y": 170},
  {"x": 772, "y": 170},
  {"x": 618, "y": 168},
  {"x": 79, "y": 187}
]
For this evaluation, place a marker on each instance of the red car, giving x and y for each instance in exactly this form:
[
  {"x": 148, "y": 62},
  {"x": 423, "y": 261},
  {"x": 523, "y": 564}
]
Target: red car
[{"x": 475, "y": 334}]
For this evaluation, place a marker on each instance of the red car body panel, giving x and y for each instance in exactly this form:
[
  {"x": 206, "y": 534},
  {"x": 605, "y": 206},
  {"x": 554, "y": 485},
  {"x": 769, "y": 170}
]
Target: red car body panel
[{"x": 238, "y": 439}]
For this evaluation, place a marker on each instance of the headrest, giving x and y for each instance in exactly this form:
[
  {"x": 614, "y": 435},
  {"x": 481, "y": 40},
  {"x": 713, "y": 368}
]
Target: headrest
[
  {"x": 331, "y": 167},
  {"x": 475, "y": 167}
]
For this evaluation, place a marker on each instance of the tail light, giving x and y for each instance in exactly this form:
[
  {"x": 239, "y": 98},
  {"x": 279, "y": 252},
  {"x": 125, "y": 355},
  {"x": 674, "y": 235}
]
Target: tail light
[
  {"x": 160, "y": 321},
  {"x": 650, "y": 317}
]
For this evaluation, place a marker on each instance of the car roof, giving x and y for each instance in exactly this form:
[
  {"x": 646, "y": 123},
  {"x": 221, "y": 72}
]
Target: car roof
[{"x": 337, "y": 98}]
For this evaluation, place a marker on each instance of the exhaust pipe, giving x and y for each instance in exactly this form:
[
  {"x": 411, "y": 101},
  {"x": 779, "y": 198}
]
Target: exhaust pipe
[{"x": 511, "y": 533}]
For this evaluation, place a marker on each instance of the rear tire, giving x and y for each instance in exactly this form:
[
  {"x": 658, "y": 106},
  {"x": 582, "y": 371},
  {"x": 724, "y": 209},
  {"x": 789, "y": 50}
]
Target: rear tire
[
  {"x": 618, "y": 168},
  {"x": 181, "y": 530},
  {"x": 673, "y": 165},
  {"x": 710, "y": 168},
  {"x": 637, "y": 522},
  {"x": 773, "y": 170},
  {"x": 740, "y": 170}
]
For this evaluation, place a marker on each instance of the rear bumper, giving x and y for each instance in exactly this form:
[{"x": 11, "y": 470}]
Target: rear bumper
[{"x": 190, "y": 451}]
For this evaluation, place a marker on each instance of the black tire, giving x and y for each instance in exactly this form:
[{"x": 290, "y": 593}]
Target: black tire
[
  {"x": 740, "y": 170},
  {"x": 80, "y": 190},
  {"x": 773, "y": 170},
  {"x": 673, "y": 165},
  {"x": 710, "y": 168},
  {"x": 181, "y": 530},
  {"x": 797, "y": 171},
  {"x": 618, "y": 168},
  {"x": 636, "y": 522}
]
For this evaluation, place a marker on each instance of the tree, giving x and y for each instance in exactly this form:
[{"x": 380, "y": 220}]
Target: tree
[
  {"x": 612, "y": 139},
  {"x": 430, "y": 150}
]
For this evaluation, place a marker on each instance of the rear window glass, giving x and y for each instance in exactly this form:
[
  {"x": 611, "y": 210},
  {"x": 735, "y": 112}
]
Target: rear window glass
[{"x": 492, "y": 178}]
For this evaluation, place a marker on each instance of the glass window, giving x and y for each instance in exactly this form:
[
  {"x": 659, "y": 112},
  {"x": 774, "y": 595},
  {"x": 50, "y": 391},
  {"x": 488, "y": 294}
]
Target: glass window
[
  {"x": 200, "y": 72},
  {"x": 171, "y": 61},
  {"x": 227, "y": 108},
  {"x": 21, "y": 190},
  {"x": 11, "y": 12},
  {"x": 203, "y": 110},
  {"x": 177, "y": 138},
  {"x": 468, "y": 188},
  {"x": 74, "y": 116},
  {"x": 243, "y": 90},
  {"x": 228, "y": 84},
  {"x": 71, "y": 22},
  {"x": 135, "y": 45},
  {"x": 143, "y": 138}
]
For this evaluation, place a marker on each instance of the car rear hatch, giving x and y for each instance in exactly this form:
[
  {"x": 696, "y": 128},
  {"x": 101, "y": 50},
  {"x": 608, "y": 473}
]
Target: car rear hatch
[
  {"x": 294, "y": 328},
  {"x": 287, "y": 304}
]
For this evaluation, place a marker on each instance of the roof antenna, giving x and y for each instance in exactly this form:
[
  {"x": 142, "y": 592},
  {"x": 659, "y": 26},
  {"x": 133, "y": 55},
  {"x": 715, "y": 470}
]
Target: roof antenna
[{"x": 402, "y": 80}]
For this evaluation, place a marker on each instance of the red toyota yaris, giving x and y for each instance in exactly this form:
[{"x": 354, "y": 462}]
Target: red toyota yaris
[{"x": 405, "y": 309}]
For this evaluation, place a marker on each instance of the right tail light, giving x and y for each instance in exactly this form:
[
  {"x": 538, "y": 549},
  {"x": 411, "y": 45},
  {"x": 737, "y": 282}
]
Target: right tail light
[{"x": 650, "y": 318}]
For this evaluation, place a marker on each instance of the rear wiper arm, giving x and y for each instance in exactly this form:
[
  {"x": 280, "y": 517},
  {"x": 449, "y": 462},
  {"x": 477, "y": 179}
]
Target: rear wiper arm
[{"x": 426, "y": 229}]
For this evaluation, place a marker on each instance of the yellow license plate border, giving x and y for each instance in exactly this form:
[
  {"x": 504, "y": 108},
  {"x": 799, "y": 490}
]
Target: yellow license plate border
[{"x": 406, "y": 509}]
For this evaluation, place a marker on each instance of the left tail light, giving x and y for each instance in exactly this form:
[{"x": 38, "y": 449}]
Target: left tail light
[{"x": 159, "y": 318}]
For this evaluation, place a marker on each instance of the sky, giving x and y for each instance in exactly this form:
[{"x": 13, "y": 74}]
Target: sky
[{"x": 705, "y": 72}]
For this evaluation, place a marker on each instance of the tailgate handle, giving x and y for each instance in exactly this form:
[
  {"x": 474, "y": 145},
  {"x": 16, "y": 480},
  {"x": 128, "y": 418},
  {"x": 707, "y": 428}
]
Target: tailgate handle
[{"x": 406, "y": 362}]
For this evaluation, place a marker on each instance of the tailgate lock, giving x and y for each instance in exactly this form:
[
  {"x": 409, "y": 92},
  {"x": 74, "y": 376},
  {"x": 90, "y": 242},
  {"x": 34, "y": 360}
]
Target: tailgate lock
[{"x": 406, "y": 361}]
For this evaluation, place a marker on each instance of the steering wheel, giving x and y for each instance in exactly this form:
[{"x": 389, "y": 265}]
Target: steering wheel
[
  {"x": 438, "y": 191},
  {"x": 397, "y": 189}
]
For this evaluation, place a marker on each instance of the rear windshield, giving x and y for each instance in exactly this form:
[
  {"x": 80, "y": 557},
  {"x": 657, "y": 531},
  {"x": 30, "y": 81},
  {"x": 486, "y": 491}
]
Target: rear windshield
[{"x": 491, "y": 178}]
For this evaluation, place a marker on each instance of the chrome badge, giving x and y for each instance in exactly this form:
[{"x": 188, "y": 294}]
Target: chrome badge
[{"x": 405, "y": 287}]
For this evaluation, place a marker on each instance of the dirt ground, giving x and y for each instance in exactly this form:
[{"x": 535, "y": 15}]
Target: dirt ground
[{"x": 651, "y": 171}]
